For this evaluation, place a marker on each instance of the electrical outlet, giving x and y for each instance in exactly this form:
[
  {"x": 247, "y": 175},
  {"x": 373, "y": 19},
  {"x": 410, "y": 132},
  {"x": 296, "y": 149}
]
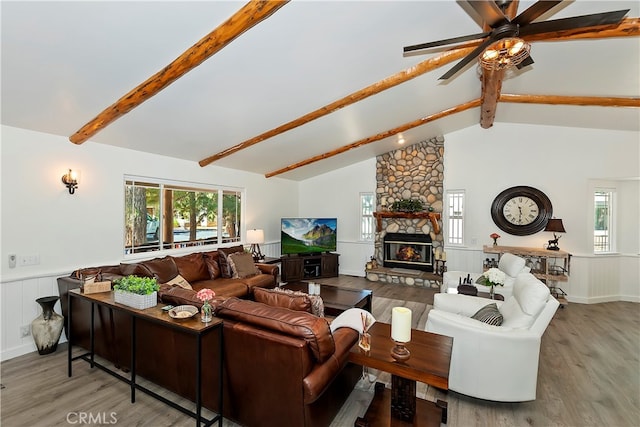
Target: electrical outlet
[
  {"x": 474, "y": 241},
  {"x": 25, "y": 331},
  {"x": 12, "y": 260},
  {"x": 24, "y": 260}
]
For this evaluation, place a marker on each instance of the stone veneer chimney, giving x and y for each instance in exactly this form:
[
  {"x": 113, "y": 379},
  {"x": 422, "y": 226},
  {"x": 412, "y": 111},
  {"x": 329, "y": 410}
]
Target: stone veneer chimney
[{"x": 413, "y": 172}]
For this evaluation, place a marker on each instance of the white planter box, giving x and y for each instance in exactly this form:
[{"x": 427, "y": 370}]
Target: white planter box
[{"x": 136, "y": 301}]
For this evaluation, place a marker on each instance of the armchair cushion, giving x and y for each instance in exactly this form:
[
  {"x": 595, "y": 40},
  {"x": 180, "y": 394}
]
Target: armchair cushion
[
  {"x": 530, "y": 293},
  {"x": 511, "y": 264},
  {"x": 489, "y": 314}
]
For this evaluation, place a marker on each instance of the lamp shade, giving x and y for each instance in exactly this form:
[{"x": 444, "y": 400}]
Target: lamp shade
[
  {"x": 555, "y": 225},
  {"x": 255, "y": 236}
]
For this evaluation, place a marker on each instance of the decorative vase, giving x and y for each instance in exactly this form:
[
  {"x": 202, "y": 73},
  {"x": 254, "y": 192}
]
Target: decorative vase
[
  {"x": 47, "y": 327},
  {"x": 365, "y": 341},
  {"x": 491, "y": 294},
  {"x": 206, "y": 313}
]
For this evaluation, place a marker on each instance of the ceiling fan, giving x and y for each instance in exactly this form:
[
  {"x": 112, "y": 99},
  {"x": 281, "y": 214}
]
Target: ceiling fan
[{"x": 502, "y": 45}]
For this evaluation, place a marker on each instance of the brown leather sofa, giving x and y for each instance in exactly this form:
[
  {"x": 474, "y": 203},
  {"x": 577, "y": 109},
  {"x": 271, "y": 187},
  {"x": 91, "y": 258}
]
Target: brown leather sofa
[
  {"x": 281, "y": 366},
  {"x": 284, "y": 367}
]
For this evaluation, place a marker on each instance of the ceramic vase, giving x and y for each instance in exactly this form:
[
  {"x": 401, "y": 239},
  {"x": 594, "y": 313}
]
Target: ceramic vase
[{"x": 47, "y": 327}]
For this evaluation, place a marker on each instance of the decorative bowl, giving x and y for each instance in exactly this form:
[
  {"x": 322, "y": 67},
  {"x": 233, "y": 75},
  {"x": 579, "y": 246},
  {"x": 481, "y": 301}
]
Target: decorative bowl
[{"x": 183, "y": 312}]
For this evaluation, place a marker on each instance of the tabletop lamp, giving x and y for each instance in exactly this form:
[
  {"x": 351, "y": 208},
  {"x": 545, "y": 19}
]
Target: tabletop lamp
[
  {"x": 554, "y": 225},
  {"x": 254, "y": 238}
]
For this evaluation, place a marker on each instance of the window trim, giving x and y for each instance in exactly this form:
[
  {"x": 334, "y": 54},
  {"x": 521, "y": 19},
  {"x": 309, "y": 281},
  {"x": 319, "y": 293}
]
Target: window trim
[
  {"x": 361, "y": 215},
  {"x": 448, "y": 217},
  {"x": 183, "y": 186},
  {"x": 612, "y": 190}
]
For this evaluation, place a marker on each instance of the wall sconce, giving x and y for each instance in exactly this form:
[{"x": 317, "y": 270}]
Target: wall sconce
[
  {"x": 255, "y": 237},
  {"x": 70, "y": 179},
  {"x": 554, "y": 225}
]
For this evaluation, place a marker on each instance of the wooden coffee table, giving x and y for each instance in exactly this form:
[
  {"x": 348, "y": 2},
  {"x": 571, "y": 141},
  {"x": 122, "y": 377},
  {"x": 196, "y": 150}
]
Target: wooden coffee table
[
  {"x": 337, "y": 299},
  {"x": 429, "y": 363}
]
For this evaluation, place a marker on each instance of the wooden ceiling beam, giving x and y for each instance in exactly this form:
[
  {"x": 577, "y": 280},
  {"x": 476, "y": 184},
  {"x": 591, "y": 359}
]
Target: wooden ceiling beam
[
  {"x": 244, "y": 19},
  {"x": 384, "y": 84},
  {"x": 598, "y": 101},
  {"x": 378, "y": 137}
]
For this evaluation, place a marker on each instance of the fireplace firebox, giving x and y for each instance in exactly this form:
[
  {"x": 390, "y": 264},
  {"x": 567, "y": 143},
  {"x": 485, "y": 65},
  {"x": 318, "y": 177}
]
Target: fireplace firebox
[{"x": 412, "y": 251}]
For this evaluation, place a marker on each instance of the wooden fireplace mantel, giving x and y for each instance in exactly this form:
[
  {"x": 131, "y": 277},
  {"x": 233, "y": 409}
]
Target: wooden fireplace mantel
[{"x": 433, "y": 217}]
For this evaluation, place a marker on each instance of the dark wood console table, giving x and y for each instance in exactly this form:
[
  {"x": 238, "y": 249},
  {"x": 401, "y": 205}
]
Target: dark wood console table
[
  {"x": 429, "y": 363},
  {"x": 192, "y": 326}
]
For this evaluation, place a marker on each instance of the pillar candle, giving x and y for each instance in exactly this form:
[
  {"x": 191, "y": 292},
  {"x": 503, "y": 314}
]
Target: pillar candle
[
  {"x": 401, "y": 324},
  {"x": 444, "y": 256}
]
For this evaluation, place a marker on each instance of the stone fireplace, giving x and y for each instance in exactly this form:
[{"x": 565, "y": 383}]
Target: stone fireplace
[{"x": 413, "y": 172}]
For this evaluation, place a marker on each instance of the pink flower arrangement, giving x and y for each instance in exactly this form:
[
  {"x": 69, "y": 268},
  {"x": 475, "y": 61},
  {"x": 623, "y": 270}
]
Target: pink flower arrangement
[{"x": 205, "y": 295}]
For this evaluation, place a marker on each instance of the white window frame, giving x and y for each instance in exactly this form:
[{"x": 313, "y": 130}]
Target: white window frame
[
  {"x": 455, "y": 219},
  {"x": 367, "y": 221},
  {"x": 196, "y": 186},
  {"x": 611, "y": 225}
]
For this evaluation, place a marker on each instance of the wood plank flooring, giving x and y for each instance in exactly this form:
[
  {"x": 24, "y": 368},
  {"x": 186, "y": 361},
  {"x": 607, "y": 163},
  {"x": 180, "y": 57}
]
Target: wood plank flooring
[{"x": 589, "y": 376}]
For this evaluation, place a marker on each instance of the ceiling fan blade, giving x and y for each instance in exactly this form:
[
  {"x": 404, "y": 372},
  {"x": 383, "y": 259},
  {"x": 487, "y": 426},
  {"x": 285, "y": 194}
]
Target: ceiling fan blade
[
  {"x": 555, "y": 25},
  {"x": 527, "y": 61},
  {"x": 535, "y": 11},
  {"x": 490, "y": 13},
  {"x": 445, "y": 42},
  {"x": 473, "y": 55}
]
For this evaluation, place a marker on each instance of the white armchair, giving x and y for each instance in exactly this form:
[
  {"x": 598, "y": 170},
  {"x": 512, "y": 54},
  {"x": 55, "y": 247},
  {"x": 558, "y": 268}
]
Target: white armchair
[
  {"x": 512, "y": 266},
  {"x": 498, "y": 363}
]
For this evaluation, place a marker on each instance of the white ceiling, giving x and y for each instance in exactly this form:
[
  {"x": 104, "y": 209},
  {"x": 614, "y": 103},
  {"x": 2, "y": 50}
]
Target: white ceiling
[{"x": 64, "y": 62}]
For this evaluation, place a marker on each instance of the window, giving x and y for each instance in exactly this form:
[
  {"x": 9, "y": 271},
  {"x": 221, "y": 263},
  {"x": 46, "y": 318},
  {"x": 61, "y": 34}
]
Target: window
[
  {"x": 603, "y": 223},
  {"x": 367, "y": 201},
  {"x": 166, "y": 215},
  {"x": 455, "y": 217}
]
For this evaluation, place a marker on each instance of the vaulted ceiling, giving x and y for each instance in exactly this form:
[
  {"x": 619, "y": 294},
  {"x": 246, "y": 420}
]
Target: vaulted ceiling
[{"x": 63, "y": 63}]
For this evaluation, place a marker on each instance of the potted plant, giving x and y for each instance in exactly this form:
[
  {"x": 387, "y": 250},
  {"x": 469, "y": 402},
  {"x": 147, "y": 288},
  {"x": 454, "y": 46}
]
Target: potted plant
[
  {"x": 407, "y": 205},
  {"x": 136, "y": 292}
]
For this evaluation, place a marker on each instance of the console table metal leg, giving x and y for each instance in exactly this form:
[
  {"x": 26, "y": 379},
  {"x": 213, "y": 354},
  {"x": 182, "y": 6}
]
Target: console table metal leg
[
  {"x": 133, "y": 359},
  {"x": 198, "y": 379},
  {"x": 69, "y": 352},
  {"x": 91, "y": 335}
]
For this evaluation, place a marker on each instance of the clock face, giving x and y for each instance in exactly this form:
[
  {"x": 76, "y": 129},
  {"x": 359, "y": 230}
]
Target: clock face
[{"x": 521, "y": 210}]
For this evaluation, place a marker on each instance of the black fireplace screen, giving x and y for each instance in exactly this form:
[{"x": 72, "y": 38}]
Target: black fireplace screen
[{"x": 413, "y": 251}]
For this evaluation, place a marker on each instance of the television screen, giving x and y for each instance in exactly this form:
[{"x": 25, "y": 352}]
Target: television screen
[{"x": 301, "y": 236}]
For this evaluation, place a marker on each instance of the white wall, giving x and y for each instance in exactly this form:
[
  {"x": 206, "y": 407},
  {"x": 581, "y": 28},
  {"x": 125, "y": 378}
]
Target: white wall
[
  {"x": 39, "y": 216},
  {"x": 337, "y": 194},
  {"x": 564, "y": 163}
]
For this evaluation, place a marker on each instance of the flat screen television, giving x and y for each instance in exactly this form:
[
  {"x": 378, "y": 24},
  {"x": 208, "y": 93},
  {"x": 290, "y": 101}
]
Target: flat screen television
[{"x": 305, "y": 236}]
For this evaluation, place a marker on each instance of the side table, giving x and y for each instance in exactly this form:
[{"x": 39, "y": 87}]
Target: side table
[{"x": 429, "y": 363}]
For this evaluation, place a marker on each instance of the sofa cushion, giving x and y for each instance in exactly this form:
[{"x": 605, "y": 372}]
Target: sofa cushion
[
  {"x": 242, "y": 265},
  {"x": 163, "y": 269},
  {"x": 178, "y": 296},
  {"x": 317, "y": 305},
  {"x": 511, "y": 264},
  {"x": 278, "y": 299},
  {"x": 224, "y": 287},
  {"x": 135, "y": 270},
  {"x": 531, "y": 293},
  {"x": 192, "y": 267},
  {"x": 223, "y": 253},
  {"x": 179, "y": 281},
  {"x": 314, "y": 330},
  {"x": 259, "y": 281},
  {"x": 211, "y": 259},
  {"x": 513, "y": 316},
  {"x": 489, "y": 314}
]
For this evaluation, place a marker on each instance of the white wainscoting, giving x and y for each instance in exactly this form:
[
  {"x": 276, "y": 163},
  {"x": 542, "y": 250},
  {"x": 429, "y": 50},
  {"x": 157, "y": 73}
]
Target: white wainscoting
[{"x": 19, "y": 308}]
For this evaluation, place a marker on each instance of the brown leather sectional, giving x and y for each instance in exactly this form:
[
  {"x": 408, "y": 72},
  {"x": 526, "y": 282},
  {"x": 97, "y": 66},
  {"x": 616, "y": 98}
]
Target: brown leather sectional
[{"x": 281, "y": 366}]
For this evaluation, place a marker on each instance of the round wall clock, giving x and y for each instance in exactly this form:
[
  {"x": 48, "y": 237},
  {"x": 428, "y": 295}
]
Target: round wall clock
[{"x": 521, "y": 210}]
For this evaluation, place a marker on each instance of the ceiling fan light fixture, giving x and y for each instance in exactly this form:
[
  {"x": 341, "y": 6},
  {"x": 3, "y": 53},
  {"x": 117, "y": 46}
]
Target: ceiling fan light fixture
[{"x": 505, "y": 53}]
